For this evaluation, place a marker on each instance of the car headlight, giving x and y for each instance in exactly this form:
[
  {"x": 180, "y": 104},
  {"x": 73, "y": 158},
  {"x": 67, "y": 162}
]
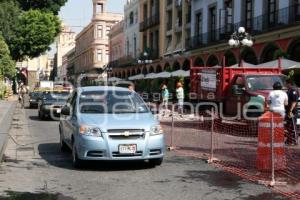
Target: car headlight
[
  {"x": 156, "y": 130},
  {"x": 90, "y": 131}
]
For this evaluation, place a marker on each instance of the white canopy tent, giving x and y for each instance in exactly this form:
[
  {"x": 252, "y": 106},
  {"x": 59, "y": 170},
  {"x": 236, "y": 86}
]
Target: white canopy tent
[
  {"x": 244, "y": 64},
  {"x": 163, "y": 75},
  {"x": 136, "y": 77},
  {"x": 180, "y": 73},
  {"x": 150, "y": 76},
  {"x": 285, "y": 64}
]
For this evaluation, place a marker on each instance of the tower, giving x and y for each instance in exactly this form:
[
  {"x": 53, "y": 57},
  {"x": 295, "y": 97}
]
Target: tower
[{"x": 99, "y": 6}]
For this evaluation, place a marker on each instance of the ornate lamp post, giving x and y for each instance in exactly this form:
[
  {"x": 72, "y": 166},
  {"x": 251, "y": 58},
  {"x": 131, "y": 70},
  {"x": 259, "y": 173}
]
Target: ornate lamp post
[
  {"x": 144, "y": 59},
  {"x": 108, "y": 70},
  {"x": 240, "y": 39}
]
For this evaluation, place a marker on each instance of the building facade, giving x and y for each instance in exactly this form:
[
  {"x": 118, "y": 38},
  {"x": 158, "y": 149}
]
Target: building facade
[
  {"x": 116, "y": 42},
  {"x": 273, "y": 24},
  {"x": 131, "y": 28},
  {"x": 92, "y": 43},
  {"x": 65, "y": 42},
  {"x": 38, "y": 69}
]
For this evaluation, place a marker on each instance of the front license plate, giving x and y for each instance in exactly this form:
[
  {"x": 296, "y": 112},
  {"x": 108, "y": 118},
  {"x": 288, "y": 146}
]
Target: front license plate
[{"x": 127, "y": 149}]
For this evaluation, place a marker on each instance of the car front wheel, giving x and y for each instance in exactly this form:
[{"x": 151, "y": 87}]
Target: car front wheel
[
  {"x": 156, "y": 162},
  {"x": 77, "y": 163}
]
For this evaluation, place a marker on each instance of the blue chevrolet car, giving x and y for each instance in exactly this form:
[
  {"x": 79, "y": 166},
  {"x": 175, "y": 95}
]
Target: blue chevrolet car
[{"x": 110, "y": 123}]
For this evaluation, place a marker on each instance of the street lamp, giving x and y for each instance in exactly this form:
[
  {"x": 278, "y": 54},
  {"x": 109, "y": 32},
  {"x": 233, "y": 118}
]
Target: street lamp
[
  {"x": 108, "y": 70},
  {"x": 144, "y": 60},
  {"x": 240, "y": 39}
]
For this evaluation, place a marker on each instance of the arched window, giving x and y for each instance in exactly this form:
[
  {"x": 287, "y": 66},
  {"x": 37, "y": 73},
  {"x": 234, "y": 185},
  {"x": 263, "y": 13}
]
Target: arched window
[
  {"x": 186, "y": 65},
  {"x": 212, "y": 61}
]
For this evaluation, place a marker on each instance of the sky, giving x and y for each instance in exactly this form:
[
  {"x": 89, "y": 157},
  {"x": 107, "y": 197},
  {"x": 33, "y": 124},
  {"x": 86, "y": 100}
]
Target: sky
[{"x": 78, "y": 13}]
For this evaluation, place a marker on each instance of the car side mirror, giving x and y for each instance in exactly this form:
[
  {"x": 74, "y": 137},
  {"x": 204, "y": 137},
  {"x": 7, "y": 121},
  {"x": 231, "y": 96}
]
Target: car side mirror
[
  {"x": 66, "y": 111},
  {"x": 236, "y": 90}
]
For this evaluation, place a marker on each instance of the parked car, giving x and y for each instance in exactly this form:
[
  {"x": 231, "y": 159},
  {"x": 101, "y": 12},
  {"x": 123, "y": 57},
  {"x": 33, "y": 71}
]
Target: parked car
[
  {"x": 110, "y": 123},
  {"x": 34, "y": 98},
  {"x": 51, "y": 103}
]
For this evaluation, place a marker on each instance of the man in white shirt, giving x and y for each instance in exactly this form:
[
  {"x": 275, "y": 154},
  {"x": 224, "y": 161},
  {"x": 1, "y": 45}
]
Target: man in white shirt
[{"x": 278, "y": 99}]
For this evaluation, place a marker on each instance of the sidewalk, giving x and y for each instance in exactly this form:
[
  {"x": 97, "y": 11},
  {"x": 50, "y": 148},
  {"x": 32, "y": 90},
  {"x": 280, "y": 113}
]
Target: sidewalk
[{"x": 6, "y": 116}]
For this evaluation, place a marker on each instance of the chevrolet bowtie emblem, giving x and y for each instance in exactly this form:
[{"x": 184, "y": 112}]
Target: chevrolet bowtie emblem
[{"x": 126, "y": 133}]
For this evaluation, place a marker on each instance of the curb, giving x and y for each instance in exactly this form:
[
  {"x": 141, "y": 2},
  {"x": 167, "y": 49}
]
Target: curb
[{"x": 5, "y": 125}]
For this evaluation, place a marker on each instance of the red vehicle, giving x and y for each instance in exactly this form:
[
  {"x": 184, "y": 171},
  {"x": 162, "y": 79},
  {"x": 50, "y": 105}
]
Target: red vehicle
[{"x": 235, "y": 89}]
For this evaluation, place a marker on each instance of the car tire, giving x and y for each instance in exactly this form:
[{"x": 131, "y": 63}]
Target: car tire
[
  {"x": 41, "y": 115},
  {"x": 156, "y": 162},
  {"x": 62, "y": 144},
  {"x": 77, "y": 163}
]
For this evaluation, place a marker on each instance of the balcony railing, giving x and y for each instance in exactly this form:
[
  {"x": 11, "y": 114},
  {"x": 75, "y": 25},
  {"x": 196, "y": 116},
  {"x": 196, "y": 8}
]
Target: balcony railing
[
  {"x": 285, "y": 17},
  {"x": 150, "y": 22},
  {"x": 125, "y": 61},
  {"x": 169, "y": 26}
]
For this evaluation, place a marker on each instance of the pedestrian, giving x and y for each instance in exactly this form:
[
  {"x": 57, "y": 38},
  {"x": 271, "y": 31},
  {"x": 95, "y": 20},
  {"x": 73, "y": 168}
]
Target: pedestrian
[
  {"x": 291, "y": 113},
  {"x": 165, "y": 98},
  {"x": 22, "y": 91},
  {"x": 131, "y": 88},
  {"x": 278, "y": 99},
  {"x": 180, "y": 97}
]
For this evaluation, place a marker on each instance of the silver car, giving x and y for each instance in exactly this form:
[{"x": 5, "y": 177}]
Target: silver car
[{"x": 110, "y": 123}]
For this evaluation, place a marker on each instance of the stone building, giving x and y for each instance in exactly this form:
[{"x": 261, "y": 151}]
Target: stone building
[{"x": 92, "y": 43}]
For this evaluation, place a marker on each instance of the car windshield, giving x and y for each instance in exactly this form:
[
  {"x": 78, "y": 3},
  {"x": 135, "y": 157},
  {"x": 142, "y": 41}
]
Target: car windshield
[
  {"x": 112, "y": 102},
  {"x": 35, "y": 94},
  {"x": 264, "y": 82},
  {"x": 56, "y": 95}
]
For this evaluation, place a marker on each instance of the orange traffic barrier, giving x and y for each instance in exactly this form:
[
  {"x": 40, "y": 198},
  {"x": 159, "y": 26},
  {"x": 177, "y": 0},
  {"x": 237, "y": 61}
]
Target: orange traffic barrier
[{"x": 264, "y": 151}]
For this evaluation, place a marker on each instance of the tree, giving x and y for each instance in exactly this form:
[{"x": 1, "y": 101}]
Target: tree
[
  {"x": 44, "y": 5},
  {"x": 35, "y": 31},
  {"x": 9, "y": 12},
  {"x": 7, "y": 65}
]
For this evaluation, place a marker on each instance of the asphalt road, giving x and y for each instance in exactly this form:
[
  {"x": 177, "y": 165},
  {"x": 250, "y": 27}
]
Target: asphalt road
[{"x": 39, "y": 170}]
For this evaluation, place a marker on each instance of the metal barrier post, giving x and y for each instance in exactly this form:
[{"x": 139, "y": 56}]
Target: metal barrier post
[
  {"x": 172, "y": 147},
  {"x": 211, "y": 157},
  {"x": 272, "y": 151}
]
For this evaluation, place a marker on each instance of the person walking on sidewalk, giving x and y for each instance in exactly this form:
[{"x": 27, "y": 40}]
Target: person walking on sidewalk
[
  {"x": 180, "y": 97},
  {"x": 291, "y": 113},
  {"x": 22, "y": 92},
  {"x": 165, "y": 98},
  {"x": 278, "y": 99}
]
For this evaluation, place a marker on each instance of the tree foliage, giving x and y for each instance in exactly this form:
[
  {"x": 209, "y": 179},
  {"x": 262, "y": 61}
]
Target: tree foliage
[
  {"x": 9, "y": 12},
  {"x": 7, "y": 65},
  {"x": 52, "y": 6},
  {"x": 35, "y": 31}
]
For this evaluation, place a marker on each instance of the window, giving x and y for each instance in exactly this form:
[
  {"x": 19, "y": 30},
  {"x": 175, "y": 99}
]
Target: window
[
  {"x": 248, "y": 13},
  {"x": 127, "y": 47},
  {"x": 198, "y": 25},
  {"x": 100, "y": 31},
  {"x": 229, "y": 15},
  {"x": 213, "y": 22},
  {"x": 134, "y": 44},
  {"x": 108, "y": 28},
  {"x": 99, "y": 55},
  {"x": 272, "y": 11},
  {"x": 107, "y": 55},
  {"x": 131, "y": 18}
]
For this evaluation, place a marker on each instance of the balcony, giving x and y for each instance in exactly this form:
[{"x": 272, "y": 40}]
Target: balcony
[
  {"x": 150, "y": 22},
  {"x": 123, "y": 62},
  {"x": 283, "y": 18}
]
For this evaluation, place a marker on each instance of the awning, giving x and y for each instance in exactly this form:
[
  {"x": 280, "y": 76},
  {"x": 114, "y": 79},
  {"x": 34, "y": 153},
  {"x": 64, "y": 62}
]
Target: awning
[
  {"x": 150, "y": 76},
  {"x": 136, "y": 77},
  {"x": 163, "y": 75},
  {"x": 285, "y": 64},
  {"x": 180, "y": 73}
]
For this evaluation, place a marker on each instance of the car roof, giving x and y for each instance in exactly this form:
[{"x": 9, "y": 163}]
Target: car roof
[{"x": 102, "y": 88}]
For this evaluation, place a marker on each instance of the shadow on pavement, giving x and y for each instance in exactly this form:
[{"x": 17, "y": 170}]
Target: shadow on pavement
[
  {"x": 11, "y": 195},
  {"x": 51, "y": 153}
]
